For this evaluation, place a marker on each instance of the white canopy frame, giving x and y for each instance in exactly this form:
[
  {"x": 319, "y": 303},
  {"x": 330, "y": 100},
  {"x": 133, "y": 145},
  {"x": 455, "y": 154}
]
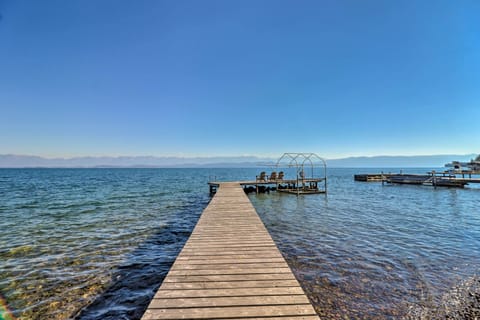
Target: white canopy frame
[{"x": 299, "y": 160}]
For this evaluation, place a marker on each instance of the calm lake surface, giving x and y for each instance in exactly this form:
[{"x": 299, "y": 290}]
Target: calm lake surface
[{"x": 96, "y": 243}]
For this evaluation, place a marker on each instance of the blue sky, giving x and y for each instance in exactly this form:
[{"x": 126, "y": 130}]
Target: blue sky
[{"x": 200, "y": 78}]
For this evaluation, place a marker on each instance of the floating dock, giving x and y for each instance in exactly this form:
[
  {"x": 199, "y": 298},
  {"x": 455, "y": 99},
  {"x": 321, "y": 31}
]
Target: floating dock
[
  {"x": 436, "y": 179},
  {"x": 371, "y": 177},
  {"x": 293, "y": 186},
  {"x": 230, "y": 268}
]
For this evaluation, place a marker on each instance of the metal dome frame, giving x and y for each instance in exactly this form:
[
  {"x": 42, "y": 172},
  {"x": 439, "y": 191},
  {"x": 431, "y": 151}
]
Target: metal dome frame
[{"x": 298, "y": 160}]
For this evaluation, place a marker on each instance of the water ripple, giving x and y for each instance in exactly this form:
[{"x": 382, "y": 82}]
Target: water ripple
[
  {"x": 368, "y": 251},
  {"x": 96, "y": 243},
  {"x": 91, "y": 244}
]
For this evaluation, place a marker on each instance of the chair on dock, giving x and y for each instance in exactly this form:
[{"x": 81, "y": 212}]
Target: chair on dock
[
  {"x": 280, "y": 175},
  {"x": 302, "y": 175},
  {"x": 273, "y": 176},
  {"x": 262, "y": 176}
]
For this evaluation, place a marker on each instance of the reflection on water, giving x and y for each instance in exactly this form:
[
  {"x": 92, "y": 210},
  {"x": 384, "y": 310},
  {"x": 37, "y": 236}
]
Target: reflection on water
[
  {"x": 376, "y": 252},
  {"x": 96, "y": 243}
]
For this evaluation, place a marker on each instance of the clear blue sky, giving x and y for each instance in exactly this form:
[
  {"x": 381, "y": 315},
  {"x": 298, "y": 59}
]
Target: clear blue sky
[{"x": 239, "y": 77}]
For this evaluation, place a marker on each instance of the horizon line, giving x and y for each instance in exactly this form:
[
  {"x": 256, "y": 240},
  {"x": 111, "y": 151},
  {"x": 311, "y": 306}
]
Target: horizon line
[{"x": 225, "y": 156}]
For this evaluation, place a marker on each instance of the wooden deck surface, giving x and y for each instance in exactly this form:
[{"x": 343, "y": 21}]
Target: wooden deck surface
[
  {"x": 264, "y": 182},
  {"x": 230, "y": 268}
]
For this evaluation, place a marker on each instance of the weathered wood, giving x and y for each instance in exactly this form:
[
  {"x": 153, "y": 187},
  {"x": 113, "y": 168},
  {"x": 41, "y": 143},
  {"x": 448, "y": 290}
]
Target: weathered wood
[
  {"x": 237, "y": 270},
  {"x": 231, "y": 260},
  {"x": 235, "y": 292},
  {"x": 229, "y": 301},
  {"x": 218, "y": 312},
  {"x": 230, "y": 284},
  {"x": 229, "y": 277},
  {"x": 225, "y": 255},
  {"x": 315, "y": 317},
  {"x": 200, "y": 254},
  {"x": 230, "y": 268}
]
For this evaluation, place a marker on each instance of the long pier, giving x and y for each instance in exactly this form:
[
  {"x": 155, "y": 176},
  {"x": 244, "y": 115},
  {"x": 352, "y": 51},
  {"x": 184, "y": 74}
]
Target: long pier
[{"x": 230, "y": 268}]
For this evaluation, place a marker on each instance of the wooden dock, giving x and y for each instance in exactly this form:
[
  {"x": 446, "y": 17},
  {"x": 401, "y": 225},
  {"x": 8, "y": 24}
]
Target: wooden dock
[
  {"x": 437, "y": 179},
  {"x": 371, "y": 177},
  {"x": 230, "y": 268},
  {"x": 305, "y": 186}
]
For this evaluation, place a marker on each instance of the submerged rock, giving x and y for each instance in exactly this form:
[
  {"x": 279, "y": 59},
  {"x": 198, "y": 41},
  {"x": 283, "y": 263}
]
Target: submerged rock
[{"x": 462, "y": 302}]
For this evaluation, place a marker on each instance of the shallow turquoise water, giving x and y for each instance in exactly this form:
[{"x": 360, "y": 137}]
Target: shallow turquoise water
[{"x": 96, "y": 243}]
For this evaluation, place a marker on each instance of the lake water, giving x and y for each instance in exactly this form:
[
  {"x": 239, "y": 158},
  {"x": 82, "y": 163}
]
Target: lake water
[{"x": 96, "y": 243}]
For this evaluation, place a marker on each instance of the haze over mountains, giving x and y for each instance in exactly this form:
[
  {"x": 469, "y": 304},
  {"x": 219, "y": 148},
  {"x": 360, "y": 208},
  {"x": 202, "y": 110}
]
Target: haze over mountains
[{"x": 24, "y": 161}]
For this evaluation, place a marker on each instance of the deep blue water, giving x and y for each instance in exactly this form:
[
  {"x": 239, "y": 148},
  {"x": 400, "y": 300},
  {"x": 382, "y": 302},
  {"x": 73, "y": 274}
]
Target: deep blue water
[{"x": 96, "y": 243}]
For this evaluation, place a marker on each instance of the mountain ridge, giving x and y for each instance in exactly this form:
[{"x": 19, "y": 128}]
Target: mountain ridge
[{"x": 31, "y": 161}]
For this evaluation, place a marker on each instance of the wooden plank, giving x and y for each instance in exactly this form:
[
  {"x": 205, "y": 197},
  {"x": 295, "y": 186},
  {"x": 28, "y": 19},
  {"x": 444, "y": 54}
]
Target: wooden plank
[
  {"x": 233, "y": 292},
  {"x": 231, "y": 232},
  {"x": 229, "y": 284},
  {"x": 237, "y": 238},
  {"x": 229, "y": 243},
  {"x": 233, "y": 246},
  {"x": 225, "y": 234},
  {"x": 267, "y": 254},
  {"x": 229, "y": 277},
  {"x": 213, "y": 254},
  {"x": 231, "y": 260},
  {"x": 225, "y": 312},
  {"x": 228, "y": 301},
  {"x": 224, "y": 251},
  {"x": 248, "y": 254},
  {"x": 315, "y": 317},
  {"x": 230, "y": 268},
  {"x": 228, "y": 271}
]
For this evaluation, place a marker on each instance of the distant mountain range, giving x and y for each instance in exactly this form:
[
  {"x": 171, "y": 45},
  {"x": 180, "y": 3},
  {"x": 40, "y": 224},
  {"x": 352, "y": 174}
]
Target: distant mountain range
[{"x": 23, "y": 161}]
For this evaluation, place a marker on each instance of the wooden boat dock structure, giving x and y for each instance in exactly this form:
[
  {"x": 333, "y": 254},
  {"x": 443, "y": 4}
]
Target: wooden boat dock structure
[
  {"x": 230, "y": 268},
  {"x": 293, "y": 186},
  {"x": 461, "y": 174},
  {"x": 435, "y": 179},
  {"x": 303, "y": 181}
]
